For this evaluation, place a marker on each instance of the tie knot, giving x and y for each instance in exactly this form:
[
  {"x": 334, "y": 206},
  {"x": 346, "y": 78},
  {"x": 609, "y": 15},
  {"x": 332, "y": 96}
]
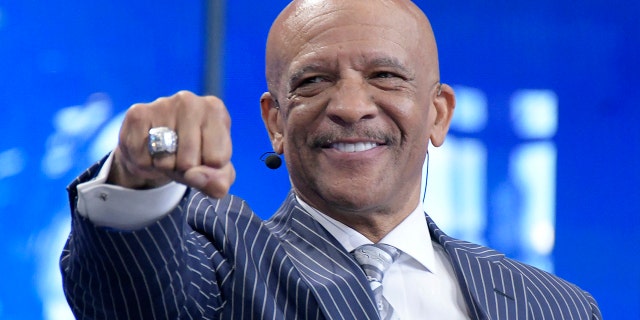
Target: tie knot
[{"x": 375, "y": 259}]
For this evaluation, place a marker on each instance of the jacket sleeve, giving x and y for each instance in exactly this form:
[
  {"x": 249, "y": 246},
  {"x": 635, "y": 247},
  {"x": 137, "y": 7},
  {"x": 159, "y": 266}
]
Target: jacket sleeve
[
  {"x": 163, "y": 271},
  {"x": 596, "y": 314}
]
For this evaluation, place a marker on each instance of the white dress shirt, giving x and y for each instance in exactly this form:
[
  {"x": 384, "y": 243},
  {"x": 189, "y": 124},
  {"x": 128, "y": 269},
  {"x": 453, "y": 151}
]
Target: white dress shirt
[
  {"x": 421, "y": 283},
  {"x": 112, "y": 206}
]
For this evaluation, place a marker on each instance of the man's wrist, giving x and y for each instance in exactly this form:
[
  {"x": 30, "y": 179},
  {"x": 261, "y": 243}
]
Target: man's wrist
[{"x": 119, "y": 175}]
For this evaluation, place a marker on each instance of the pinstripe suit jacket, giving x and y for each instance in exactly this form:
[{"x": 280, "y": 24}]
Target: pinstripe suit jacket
[{"x": 215, "y": 259}]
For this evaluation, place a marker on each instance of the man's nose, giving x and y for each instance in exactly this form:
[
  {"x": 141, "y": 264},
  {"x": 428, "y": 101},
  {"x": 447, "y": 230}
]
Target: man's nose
[{"x": 351, "y": 102}]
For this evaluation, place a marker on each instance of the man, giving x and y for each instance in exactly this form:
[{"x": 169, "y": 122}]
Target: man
[{"x": 354, "y": 98}]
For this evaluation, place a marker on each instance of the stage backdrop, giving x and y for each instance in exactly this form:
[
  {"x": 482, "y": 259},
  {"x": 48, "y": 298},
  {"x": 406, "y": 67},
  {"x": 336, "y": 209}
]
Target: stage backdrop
[{"x": 541, "y": 163}]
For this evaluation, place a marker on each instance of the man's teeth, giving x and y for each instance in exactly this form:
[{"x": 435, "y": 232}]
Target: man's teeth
[{"x": 354, "y": 147}]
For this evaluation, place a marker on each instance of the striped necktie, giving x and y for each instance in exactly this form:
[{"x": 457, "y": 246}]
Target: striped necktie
[{"x": 375, "y": 259}]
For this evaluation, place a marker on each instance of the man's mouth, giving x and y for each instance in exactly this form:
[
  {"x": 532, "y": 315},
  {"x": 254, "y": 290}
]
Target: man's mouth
[{"x": 353, "y": 147}]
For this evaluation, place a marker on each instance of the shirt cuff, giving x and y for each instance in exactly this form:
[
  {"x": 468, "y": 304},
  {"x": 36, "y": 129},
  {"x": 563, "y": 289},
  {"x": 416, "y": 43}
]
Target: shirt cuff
[{"x": 121, "y": 208}]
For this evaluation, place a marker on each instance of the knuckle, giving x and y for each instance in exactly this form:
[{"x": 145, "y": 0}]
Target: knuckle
[
  {"x": 164, "y": 163},
  {"x": 218, "y": 158},
  {"x": 184, "y": 164},
  {"x": 183, "y": 99},
  {"x": 217, "y": 110},
  {"x": 215, "y": 103},
  {"x": 136, "y": 113},
  {"x": 213, "y": 161},
  {"x": 161, "y": 102},
  {"x": 185, "y": 94},
  {"x": 213, "y": 100},
  {"x": 140, "y": 163},
  {"x": 126, "y": 141}
]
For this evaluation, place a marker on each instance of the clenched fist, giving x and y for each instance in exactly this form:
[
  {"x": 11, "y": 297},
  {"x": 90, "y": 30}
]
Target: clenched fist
[{"x": 203, "y": 156}]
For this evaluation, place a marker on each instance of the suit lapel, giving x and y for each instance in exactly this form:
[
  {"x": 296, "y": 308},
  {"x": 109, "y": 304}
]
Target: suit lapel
[
  {"x": 491, "y": 291},
  {"x": 335, "y": 279}
]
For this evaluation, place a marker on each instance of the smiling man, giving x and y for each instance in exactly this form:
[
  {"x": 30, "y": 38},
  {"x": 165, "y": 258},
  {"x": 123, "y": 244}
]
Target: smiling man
[
  {"x": 355, "y": 94},
  {"x": 354, "y": 98}
]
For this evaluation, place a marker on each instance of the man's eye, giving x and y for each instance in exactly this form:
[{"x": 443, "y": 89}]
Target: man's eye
[
  {"x": 388, "y": 80},
  {"x": 311, "y": 80},
  {"x": 310, "y": 86},
  {"x": 384, "y": 74}
]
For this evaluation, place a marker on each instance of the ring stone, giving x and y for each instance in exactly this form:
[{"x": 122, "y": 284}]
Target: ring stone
[{"x": 162, "y": 140}]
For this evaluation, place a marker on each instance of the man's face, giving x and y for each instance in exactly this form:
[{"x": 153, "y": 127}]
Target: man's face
[{"x": 355, "y": 85}]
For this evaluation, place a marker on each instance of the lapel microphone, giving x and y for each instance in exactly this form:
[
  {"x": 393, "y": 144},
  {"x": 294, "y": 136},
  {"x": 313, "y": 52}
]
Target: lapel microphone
[{"x": 271, "y": 159}]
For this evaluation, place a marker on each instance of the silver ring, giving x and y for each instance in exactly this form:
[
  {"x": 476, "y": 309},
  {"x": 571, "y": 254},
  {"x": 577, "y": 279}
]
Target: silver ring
[{"x": 162, "y": 140}]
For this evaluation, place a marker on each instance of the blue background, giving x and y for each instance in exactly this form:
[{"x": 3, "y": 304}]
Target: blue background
[{"x": 68, "y": 71}]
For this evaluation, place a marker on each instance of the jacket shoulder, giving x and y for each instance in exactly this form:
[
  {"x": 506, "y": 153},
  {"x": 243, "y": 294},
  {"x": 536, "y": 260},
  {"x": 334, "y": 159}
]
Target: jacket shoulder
[
  {"x": 496, "y": 283},
  {"x": 547, "y": 289}
]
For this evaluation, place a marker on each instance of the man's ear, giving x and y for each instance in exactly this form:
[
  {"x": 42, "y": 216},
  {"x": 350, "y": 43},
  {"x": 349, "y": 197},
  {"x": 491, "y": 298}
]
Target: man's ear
[
  {"x": 272, "y": 121},
  {"x": 445, "y": 103}
]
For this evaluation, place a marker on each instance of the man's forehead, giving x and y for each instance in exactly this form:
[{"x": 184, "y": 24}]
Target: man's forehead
[
  {"x": 306, "y": 26},
  {"x": 315, "y": 11},
  {"x": 331, "y": 22}
]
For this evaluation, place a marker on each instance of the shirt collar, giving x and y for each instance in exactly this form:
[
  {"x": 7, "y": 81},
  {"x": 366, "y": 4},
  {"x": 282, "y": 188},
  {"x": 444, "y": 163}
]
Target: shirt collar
[{"x": 411, "y": 236}]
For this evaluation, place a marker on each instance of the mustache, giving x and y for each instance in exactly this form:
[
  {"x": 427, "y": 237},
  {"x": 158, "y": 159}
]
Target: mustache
[{"x": 325, "y": 139}]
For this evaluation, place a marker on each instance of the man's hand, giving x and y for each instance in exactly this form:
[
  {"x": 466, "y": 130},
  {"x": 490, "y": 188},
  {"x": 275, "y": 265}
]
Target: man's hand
[{"x": 203, "y": 157}]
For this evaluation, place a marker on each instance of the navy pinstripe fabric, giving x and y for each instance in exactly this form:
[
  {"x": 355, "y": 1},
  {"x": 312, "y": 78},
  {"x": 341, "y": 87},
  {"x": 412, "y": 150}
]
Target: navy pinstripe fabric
[{"x": 215, "y": 259}]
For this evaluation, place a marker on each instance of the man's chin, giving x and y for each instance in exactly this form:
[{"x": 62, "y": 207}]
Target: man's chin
[{"x": 354, "y": 204}]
